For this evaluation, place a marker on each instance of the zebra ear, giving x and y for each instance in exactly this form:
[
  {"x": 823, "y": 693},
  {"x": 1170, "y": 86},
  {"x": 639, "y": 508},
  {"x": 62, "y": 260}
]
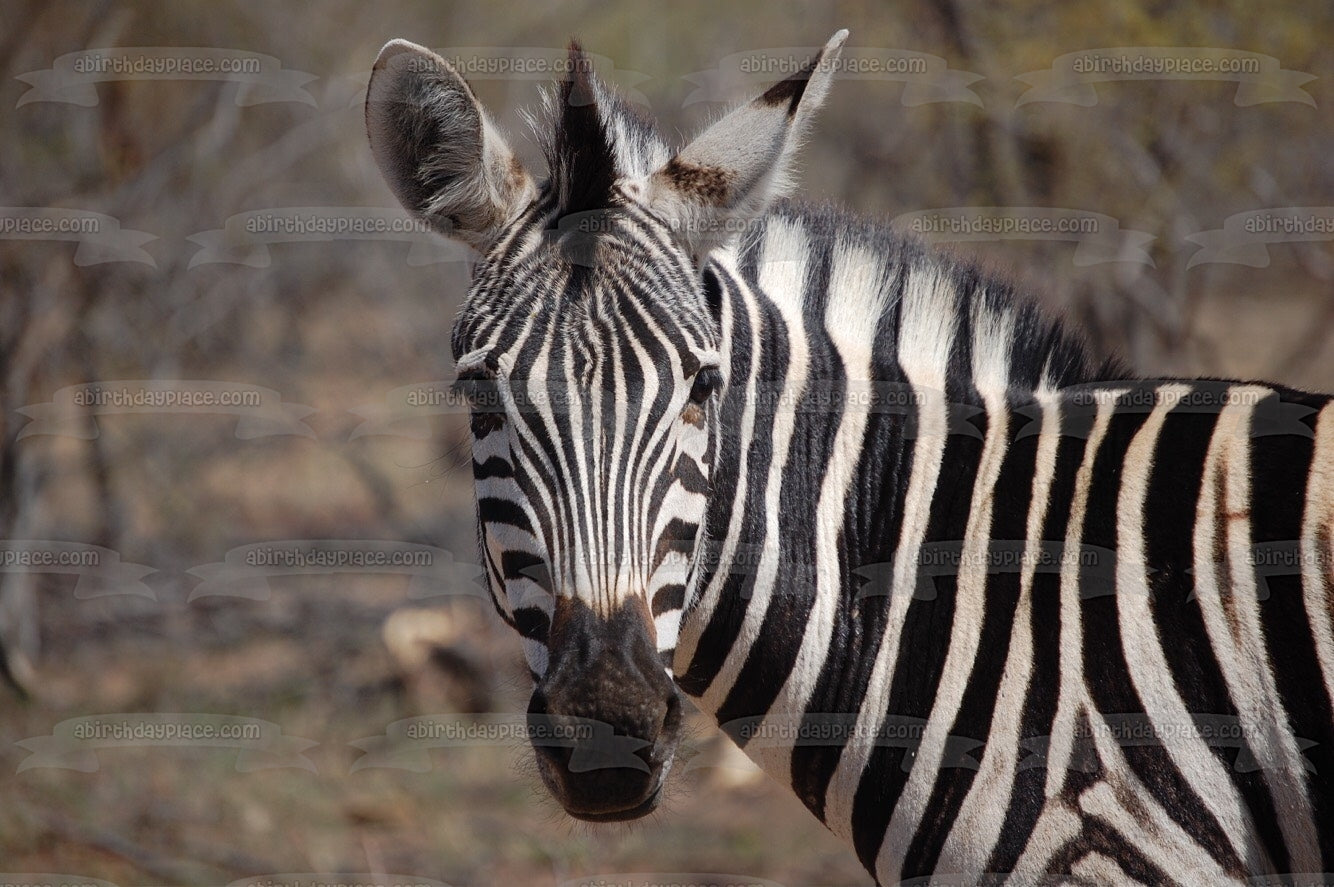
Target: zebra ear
[
  {"x": 437, "y": 148},
  {"x": 732, "y": 171}
]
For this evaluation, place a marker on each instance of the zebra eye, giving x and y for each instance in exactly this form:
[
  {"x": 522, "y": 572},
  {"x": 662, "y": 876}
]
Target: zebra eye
[
  {"x": 479, "y": 391},
  {"x": 463, "y": 390},
  {"x": 707, "y": 381}
]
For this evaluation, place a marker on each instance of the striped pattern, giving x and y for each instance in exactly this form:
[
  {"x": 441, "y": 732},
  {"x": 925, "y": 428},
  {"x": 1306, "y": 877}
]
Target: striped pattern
[
  {"x": 588, "y": 484},
  {"x": 1048, "y": 673},
  {"x": 1062, "y": 624}
]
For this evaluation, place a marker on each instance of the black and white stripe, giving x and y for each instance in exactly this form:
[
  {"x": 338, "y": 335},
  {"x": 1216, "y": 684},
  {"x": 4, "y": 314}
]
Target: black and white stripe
[{"x": 612, "y": 452}]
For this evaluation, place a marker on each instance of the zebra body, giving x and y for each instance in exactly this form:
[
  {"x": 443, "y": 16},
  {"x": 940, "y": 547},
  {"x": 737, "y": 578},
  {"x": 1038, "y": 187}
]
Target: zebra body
[
  {"x": 820, "y": 413},
  {"x": 1162, "y": 492}
]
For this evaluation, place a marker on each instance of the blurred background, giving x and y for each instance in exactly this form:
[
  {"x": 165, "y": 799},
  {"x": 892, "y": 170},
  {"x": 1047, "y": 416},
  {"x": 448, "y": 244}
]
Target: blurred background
[{"x": 330, "y": 328}]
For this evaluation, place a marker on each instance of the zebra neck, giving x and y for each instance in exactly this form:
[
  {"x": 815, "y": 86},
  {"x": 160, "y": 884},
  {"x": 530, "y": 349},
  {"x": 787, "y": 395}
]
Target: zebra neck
[
  {"x": 817, "y": 310},
  {"x": 812, "y": 489}
]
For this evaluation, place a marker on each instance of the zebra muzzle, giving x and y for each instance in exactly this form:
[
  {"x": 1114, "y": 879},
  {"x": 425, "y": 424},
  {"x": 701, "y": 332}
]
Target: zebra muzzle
[{"x": 605, "y": 719}]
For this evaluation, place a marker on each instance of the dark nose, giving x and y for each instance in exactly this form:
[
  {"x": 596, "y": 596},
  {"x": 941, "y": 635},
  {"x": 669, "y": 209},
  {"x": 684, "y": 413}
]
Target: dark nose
[{"x": 605, "y": 718}]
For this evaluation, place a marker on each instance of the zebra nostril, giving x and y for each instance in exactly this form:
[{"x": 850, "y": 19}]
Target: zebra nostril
[{"x": 671, "y": 721}]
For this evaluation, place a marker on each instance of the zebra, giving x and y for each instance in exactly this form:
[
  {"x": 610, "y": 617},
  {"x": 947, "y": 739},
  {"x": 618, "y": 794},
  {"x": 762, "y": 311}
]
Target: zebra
[{"x": 666, "y": 359}]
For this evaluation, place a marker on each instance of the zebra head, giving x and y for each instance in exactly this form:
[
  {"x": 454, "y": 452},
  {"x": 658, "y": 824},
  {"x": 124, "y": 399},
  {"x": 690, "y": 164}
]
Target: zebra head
[{"x": 591, "y": 346}]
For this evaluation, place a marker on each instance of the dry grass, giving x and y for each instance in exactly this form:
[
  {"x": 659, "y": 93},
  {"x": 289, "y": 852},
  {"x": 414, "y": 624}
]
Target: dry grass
[{"x": 310, "y": 660}]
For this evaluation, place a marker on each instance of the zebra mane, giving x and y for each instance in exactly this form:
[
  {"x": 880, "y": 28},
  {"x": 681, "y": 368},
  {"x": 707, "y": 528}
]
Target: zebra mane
[
  {"x": 591, "y": 137},
  {"x": 1040, "y": 350}
]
